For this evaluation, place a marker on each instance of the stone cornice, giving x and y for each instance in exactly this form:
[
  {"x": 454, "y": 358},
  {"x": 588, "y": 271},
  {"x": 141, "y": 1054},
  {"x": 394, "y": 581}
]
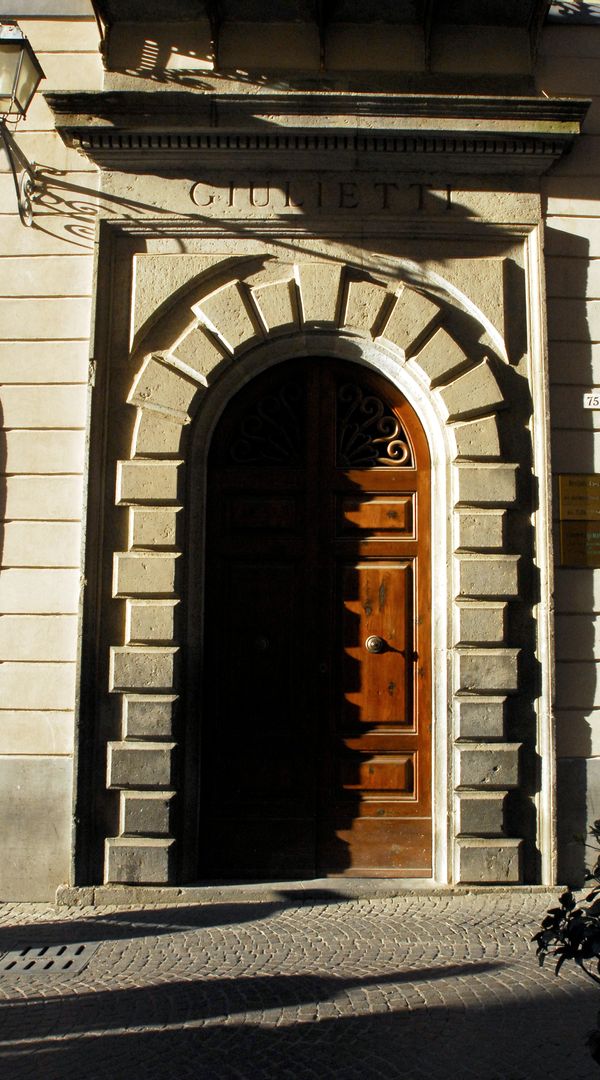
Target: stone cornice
[{"x": 142, "y": 130}]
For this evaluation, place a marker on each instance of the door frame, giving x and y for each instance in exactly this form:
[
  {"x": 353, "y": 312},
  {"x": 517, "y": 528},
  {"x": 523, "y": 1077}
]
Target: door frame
[{"x": 390, "y": 366}]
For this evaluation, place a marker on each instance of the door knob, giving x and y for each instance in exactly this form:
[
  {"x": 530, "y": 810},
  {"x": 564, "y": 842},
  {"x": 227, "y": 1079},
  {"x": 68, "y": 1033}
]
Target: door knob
[{"x": 374, "y": 643}]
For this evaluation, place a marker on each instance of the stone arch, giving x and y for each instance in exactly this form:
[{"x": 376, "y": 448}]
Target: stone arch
[{"x": 279, "y": 307}]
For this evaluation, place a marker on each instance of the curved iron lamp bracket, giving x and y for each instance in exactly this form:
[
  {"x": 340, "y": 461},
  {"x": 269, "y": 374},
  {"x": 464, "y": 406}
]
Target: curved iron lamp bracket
[{"x": 24, "y": 175}]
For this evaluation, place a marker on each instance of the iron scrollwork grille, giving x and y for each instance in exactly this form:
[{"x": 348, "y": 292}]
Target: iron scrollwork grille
[
  {"x": 272, "y": 432},
  {"x": 367, "y": 431}
]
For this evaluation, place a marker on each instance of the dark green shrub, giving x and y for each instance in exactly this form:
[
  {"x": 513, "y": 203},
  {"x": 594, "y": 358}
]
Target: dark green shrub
[{"x": 572, "y": 932}]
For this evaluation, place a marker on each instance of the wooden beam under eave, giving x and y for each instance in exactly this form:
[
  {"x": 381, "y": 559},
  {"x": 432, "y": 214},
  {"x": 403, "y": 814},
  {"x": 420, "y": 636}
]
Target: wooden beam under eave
[
  {"x": 214, "y": 13},
  {"x": 428, "y": 15},
  {"x": 536, "y": 25}
]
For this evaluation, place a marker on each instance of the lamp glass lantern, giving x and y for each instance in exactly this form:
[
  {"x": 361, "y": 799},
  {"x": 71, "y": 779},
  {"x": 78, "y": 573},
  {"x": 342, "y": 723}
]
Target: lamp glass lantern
[{"x": 20, "y": 72}]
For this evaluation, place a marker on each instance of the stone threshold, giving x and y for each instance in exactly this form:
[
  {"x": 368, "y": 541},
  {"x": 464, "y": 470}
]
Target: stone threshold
[{"x": 319, "y": 890}]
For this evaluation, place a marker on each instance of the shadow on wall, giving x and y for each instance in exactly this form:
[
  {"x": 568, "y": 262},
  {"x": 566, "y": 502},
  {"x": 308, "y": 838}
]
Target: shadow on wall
[{"x": 571, "y": 371}]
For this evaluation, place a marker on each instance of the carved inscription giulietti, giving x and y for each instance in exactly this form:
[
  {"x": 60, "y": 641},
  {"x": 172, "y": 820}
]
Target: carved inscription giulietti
[{"x": 284, "y": 195}]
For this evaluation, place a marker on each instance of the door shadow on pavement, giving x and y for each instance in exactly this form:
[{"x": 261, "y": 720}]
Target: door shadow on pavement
[
  {"x": 140, "y": 922},
  {"x": 432, "y": 1022},
  {"x": 134, "y": 923}
]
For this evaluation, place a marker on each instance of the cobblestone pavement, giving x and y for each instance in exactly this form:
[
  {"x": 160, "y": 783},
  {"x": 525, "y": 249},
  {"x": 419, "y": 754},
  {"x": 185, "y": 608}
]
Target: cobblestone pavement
[{"x": 351, "y": 989}]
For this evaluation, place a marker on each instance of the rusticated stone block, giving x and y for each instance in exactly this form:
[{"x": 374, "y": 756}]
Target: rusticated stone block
[
  {"x": 480, "y": 718},
  {"x": 147, "y": 717},
  {"x": 198, "y": 351},
  {"x": 486, "y": 485},
  {"x": 146, "y": 813},
  {"x": 441, "y": 357},
  {"x": 488, "y": 765},
  {"x": 140, "y": 764},
  {"x": 157, "y": 434},
  {"x": 143, "y": 667},
  {"x": 276, "y": 304},
  {"x": 482, "y": 530},
  {"x": 480, "y": 813},
  {"x": 227, "y": 314},
  {"x": 488, "y": 861},
  {"x": 138, "y": 861},
  {"x": 364, "y": 300},
  {"x": 477, "y": 438},
  {"x": 154, "y": 528},
  {"x": 411, "y": 316},
  {"x": 485, "y": 670},
  {"x": 475, "y": 391},
  {"x": 164, "y": 388},
  {"x": 319, "y": 285},
  {"x": 488, "y": 576},
  {"x": 144, "y": 573},
  {"x": 481, "y": 623},
  {"x": 150, "y": 620},
  {"x": 148, "y": 481}
]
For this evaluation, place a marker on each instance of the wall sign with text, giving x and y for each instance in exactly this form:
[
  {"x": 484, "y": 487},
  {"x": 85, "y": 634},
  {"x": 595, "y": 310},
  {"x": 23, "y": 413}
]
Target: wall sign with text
[{"x": 579, "y": 509}]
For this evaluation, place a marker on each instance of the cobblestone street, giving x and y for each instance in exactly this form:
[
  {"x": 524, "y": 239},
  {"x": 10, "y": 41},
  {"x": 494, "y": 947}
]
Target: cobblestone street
[{"x": 346, "y": 988}]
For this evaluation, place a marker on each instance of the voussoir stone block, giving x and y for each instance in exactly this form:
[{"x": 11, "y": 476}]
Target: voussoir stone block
[
  {"x": 441, "y": 358},
  {"x": 140, "y": 764},
  {"x": 199, "y": 352},
  {"x": 319, "y": 284},
  {"x": 147, "y": 573},
  {"x": 150, "y": 620},
  {"x": 154, "y": 528},
  {"x": 474, "y": 391},
  {"x": 162, "y": 387},
  {"x": 480, "y": 813},
  {"x": 364, "y": 300},
  {"x": 411, "y": 315},
  {"x": 481, "y": 623},
  {"x": 488, "y": 765},
  {"x": 142, "y": 667},
  {"x": 146, "y": 813},
  {"x": 486, "y": 484},
  {"x": 488, "y": 861},
  {"x": 148, "y": 717},
  {"x": 277, "y": 304},
  {"x": 147, "y": 481},
  {"x": 481, "y": 530},
  {"x": 477, "y": 438},
  {"x": 488, "y": 576},
  {"x": 480, "y": 718},
  {"x": 226, "y": 312},
  {"x": 139, "y": 861},
  {"x": 485, "y": 670},
  {"x": 157, "y": 434}
]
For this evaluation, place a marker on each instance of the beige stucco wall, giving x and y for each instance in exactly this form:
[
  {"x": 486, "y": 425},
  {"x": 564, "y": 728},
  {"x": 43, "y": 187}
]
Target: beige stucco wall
[
  {"x": 45, "y": 309},
  {"x": 568, "y": 65}
]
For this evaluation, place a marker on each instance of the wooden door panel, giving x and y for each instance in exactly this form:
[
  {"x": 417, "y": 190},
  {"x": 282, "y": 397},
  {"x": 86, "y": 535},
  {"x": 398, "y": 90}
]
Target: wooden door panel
[
  {"x": 368, "y": 847},
  {"x": 378, "y": 773},
  {"x": 238, "y": 848},
  {"x": 275, "y": 513},
  {"x": 376, "y": 515},
  {"x": 257, "y": 649},
  {"x": 376, "y": 601}
]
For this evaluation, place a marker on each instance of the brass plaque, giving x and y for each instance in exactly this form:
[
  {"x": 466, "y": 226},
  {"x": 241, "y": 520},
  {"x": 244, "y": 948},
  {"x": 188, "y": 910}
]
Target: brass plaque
[
  {"x": 580, "y": 543},
  {"x": 579, "y": 496}
]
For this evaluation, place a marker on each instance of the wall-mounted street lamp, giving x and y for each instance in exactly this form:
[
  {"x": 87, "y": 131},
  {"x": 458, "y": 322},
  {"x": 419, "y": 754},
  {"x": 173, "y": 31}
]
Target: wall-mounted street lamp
[{"x": 20, "y": 76}]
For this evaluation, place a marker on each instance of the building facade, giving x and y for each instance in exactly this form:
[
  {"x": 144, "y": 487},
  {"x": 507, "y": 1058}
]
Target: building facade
[{"x": 299, "y": 556}]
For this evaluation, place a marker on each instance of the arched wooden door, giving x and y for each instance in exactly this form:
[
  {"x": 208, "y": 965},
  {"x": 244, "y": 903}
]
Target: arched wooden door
[{"x": 316, "y": 718}]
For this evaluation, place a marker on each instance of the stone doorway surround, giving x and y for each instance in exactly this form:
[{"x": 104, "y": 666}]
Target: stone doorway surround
[{"x": 246, "y": 316}]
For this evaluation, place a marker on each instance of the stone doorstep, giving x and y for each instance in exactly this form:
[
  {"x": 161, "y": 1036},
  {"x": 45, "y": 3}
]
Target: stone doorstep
[{"x": 321, "y": 889}]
